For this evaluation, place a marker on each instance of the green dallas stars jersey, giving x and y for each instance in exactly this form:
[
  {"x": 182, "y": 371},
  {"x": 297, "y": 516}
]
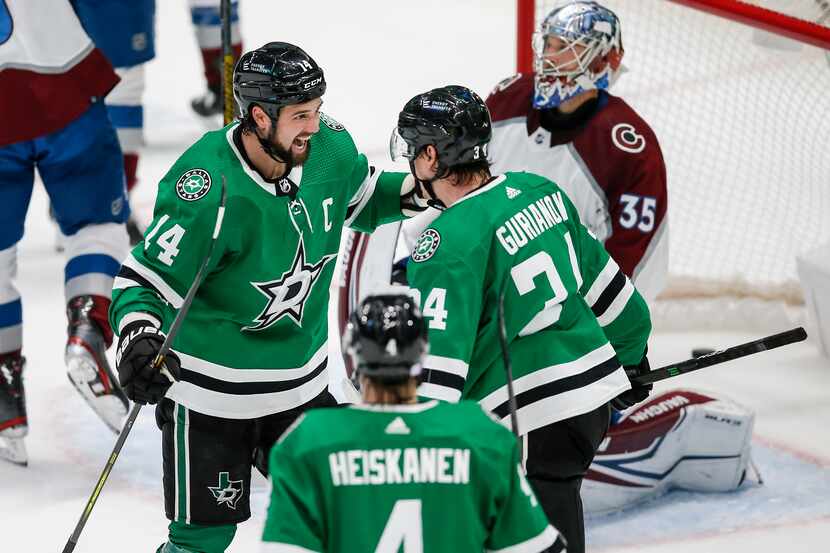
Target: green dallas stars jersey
[
  {"x": 565, "y": 300},
  {"x": 433, "y": 476},
  {"x": 254, "y": 340}
]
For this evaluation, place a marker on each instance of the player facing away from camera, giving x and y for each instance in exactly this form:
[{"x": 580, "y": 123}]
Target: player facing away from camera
[
  {"x": 572, "y": 319},
  {"x": 53, "y": 81},
  {"x": 251, "y": 354},
  {"x": 562, "y": 123},
  {"x": 393, "y": 472}
]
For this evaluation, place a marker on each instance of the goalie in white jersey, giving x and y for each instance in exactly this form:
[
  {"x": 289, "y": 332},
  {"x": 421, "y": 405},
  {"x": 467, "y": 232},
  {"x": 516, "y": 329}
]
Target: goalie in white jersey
[{"x": 562, "y": 123}]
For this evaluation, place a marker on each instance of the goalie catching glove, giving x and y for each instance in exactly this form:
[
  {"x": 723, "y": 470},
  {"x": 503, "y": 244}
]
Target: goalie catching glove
[
  {"x": 637, "y": 393},
  {"x": 138, "y": 346}
]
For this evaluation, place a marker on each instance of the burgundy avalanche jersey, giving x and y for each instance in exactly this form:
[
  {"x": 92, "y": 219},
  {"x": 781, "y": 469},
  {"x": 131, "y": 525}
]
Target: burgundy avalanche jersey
[
  {"x": 611, "y": 167},
  {"x": 50, "y": 71}
]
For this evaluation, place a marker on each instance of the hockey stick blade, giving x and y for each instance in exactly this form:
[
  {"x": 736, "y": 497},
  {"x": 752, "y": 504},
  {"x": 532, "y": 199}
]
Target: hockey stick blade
[
  {"x": 158, "y": 362},
  {"x": 735, "y": 352}
]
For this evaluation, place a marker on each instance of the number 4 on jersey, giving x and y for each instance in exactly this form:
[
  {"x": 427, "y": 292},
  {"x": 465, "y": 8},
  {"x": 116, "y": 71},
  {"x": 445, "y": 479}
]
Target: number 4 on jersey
[
  {"x": 168, "y": 241},
  {"x": 404, "y": 527}
]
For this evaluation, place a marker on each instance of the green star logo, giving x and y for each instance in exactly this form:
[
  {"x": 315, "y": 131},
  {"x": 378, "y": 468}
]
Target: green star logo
[
  {"x": 426, "y": 246},
  {"x": 193, "y": 184},
  {"x": 228, "y": 492}
]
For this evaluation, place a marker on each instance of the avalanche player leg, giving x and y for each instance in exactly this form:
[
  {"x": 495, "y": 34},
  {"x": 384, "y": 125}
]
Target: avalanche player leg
[
  {"x": 13, "y": 422},
  {"x": 127, "y": 115},
  {"x": 207, "y": 24},
  {"x": 82, "y": 170},
  {"x": 16, "y": 180}
]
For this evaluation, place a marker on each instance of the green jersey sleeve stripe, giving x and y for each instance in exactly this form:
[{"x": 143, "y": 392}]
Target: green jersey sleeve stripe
[
  {"x": 436, "y": 391},
  {"x": 278, "y": 547},
  {"x": 604, "y": 278},
  {"x": 443, "y": 378},
  {"x": 533, "y": 545},
  {"x": 609, "y": 294},
  {"x": 138, "y": 316},
  {"x": 158, "y": 283},
  {"x": 362, "y": 196},
  {"x": 447, "y": 365},
  {"x": 618, "y": 304}
]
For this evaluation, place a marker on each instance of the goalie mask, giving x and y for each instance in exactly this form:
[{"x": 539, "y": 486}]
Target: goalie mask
[
  {"x": 577, "y": 48},
  {"x": 386, "y": 338}
]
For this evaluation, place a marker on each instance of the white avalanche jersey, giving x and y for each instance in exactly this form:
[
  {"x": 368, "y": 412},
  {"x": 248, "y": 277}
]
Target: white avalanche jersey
[
  {"x": 50, "y": 71},
  {"x": 611, "y": 168}
]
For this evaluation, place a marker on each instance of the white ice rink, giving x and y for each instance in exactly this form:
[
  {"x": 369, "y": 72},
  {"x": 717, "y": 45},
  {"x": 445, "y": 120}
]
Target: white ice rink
[{"x": 373, "y": 64}]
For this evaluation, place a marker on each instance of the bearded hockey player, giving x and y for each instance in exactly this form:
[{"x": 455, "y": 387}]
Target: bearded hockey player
[
  {"x": 562, "y": 123},
  {"x": 251, "y": 354},
  {"x": 53, "y": 81},
  {"x": 392, "y": 471},
  {"x": 572, "y": 319}
]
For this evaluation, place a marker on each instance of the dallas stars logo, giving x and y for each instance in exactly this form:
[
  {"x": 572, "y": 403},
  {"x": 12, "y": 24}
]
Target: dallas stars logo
[
  {"x": 288, "y": 294},
  {"x": 193, "y": 184},
  {"x": 228, "y": 492}
]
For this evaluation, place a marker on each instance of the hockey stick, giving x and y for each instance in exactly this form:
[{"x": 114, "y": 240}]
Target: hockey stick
[
  {"x": 227, "y": 62},
  {"x": 508, "y": 367},
  {"x": 728, "y": 354},
  {"x": 158, "y": 363}
]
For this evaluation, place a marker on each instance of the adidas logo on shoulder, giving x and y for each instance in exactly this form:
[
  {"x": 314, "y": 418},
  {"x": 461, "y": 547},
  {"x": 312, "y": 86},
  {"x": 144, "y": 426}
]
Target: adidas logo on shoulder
[
  {"x": 397, "y": 426},
  {"x": 512, "y": 192}
]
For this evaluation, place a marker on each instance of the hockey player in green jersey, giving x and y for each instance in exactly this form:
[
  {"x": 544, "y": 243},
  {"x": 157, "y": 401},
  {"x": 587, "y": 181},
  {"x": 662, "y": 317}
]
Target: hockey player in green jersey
[
  {"x": 572, "y": 318},
  {"x": 251, "y": 354},
  {"x": 393, "y": 474}
]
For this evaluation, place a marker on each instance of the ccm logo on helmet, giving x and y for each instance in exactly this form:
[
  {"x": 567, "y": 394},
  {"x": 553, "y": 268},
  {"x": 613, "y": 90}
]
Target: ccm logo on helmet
[{"x": 315, "y": 82}]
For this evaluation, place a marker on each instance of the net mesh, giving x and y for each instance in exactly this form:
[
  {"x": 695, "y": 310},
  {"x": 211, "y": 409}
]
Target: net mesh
[{"x": 743, "y": 119}]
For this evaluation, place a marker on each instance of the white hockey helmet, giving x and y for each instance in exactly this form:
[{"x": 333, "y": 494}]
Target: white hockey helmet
[{"x": 591, "y": 34}]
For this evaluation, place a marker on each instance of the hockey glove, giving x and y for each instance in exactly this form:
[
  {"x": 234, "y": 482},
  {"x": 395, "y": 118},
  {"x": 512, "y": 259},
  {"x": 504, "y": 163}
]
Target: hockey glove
[
  {"x": 139, "y": 343},
  {"x": 637, "y": 393},
  {"x": 411, "y": 201}
]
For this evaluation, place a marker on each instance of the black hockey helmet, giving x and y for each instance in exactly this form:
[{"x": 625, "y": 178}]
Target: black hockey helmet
[
  {"x": 452, "y": 118},
  {"x": 387, "y": 338},
  {"x": 276, "y": 75}
]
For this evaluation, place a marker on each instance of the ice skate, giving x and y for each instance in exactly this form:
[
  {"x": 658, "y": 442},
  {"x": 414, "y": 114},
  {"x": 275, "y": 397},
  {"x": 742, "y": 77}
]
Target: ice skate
[
  {"x": 208, "y": 104},
  {"x": 87, "y": 366},
  {"x": 13, "y": 423}
]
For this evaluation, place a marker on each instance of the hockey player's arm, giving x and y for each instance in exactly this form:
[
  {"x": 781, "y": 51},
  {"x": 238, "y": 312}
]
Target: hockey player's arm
[
  {"x": 293, "y": 522},
  {"x": 639, "y": 223},
  {"x": 520, "y": 523},
  {"x": 155, "y": 276},
  {"x": 448, "y": 291},
  {"x": 379, "y": 197},
  {"x": 618, "y": 306}
]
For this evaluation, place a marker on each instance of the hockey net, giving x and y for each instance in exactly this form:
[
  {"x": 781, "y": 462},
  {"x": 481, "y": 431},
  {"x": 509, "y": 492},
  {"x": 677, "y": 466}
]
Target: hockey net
[{"x": 743, "y": 119}]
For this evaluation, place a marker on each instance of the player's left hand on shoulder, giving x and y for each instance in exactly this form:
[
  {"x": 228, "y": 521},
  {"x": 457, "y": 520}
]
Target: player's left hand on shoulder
[
  {"x": 138, "y": 346},
  {"x": 637, "y": 393}
]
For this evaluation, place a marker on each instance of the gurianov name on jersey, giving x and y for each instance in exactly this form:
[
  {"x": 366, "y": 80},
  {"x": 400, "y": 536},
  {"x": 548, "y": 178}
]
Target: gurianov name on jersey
[{"x": 531, "y": 221}]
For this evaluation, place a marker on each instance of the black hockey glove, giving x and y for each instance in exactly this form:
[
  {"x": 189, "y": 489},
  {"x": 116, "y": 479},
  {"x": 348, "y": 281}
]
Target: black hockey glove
[
  {"x": 637, "y": 393},
  {"x": 138, "y": 345}
]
